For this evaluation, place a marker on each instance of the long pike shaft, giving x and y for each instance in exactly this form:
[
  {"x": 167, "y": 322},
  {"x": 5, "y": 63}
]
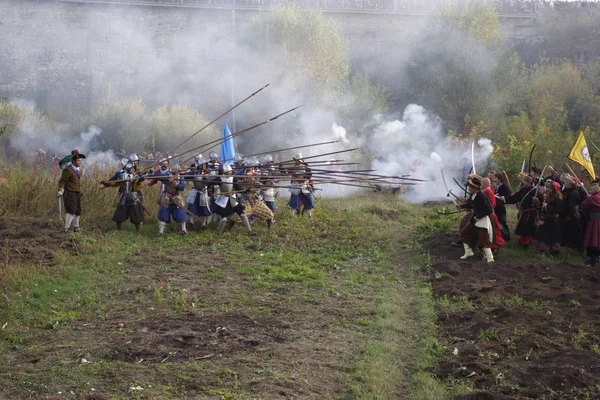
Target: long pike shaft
[
  {"x": 212, "y": 122},
  {"x": 238, "y": 133}
]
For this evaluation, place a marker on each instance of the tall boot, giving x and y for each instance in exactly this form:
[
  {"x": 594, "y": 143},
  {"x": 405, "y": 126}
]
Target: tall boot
[
  {"x": 468, "y": 252},
  {"x": 118, "y": 226},
  {"x": 203, "y": 223},
  {"x": 138, "y": 229},
  {"x": 246, "y": 223},
  {"x": 269, "y": 223},
  {"x": 489, "y": 256},
  {"x": 221, "y": 226}
]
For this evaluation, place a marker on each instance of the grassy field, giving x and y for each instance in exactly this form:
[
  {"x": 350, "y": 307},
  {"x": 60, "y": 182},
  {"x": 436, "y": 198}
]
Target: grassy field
[{"x": 328, "y": 307}]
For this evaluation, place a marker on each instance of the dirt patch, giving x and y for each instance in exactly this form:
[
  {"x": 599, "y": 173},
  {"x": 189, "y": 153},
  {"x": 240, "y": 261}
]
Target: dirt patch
[
  {"x": 168, "y": 340},
  {"x": 516, "y": 329},
  {"x": 31, "y": 242}
]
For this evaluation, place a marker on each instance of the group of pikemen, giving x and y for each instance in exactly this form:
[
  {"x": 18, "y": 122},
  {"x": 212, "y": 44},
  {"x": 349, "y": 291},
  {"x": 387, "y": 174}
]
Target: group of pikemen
[
  {"x": 243, "y": 191},
  {"x": 554, "y": 209}
]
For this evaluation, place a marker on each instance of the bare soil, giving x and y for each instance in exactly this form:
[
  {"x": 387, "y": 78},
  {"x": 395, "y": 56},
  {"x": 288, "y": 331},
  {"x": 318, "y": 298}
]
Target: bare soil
[
  {"x": 532, "y": 330},
  {"x": 31, "y": 242},
  {"x": 213, "y": 334}
]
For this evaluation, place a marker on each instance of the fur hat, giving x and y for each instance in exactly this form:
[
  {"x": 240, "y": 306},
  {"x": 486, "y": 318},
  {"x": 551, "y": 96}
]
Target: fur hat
[{"x": 474, "y": 183}]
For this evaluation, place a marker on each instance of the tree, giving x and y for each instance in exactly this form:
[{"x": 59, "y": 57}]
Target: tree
[
  {"x": 453, "y": 67},
  {"x": 308, "y": 47}
]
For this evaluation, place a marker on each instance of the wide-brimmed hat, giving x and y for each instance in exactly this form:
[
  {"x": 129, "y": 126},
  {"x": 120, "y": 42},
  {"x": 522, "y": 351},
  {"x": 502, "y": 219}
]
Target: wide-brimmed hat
[{"x": 76, "y": 154}]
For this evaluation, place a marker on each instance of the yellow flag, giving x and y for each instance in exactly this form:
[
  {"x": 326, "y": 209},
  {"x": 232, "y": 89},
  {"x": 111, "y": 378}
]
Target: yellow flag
[{"x": 581, "y": 155}]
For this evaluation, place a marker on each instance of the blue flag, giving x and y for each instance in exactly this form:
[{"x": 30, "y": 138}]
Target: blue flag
[{"x": 227, "y": 148}]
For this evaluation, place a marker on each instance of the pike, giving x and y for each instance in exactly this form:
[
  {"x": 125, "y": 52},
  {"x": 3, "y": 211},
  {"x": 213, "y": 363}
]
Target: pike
[
  {"x": 238, "y": 133},
  {"x": 286, "y": 149},
  {"x": 321, "y": 155},
  {"x": 210, "y": 123},
  {"x": 523, "y": 166}
]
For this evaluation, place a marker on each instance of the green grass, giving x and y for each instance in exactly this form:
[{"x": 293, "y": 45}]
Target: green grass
[{"x": 355, "y": 252}]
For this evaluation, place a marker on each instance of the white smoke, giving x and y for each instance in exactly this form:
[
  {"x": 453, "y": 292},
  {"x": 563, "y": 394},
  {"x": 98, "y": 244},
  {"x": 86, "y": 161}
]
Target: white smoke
[
  {"x": 36, "y": 132},
  {"x": 417, "y": 147},
  {"x": 339, "y": 133}
]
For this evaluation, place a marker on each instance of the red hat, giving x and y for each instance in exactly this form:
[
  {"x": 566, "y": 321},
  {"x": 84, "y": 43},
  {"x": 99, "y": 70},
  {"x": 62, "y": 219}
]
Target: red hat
[{"x": 556, "y": 186}]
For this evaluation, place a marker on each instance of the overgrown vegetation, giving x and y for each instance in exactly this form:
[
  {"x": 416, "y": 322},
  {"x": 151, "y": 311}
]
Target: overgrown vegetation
[{"x": 463, "y": 71}]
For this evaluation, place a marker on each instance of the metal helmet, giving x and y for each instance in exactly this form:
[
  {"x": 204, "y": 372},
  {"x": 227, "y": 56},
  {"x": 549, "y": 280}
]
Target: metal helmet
[
  {"x": 198, "y": 157},
  {"x": 213, "y": 156},
  {"x": 124, "y": 161},
  {"x": 175, "y": 168},
  {"x": 237, "y": 158},
  {"x": 298, "y": 156},
  {"x": 226, "y": 168},
  {"x": 200, "y": 161},
  {"x": 128, "y": 165},
  {"x": 268, "y": 158},
  {"x": 133, "y": 157}
]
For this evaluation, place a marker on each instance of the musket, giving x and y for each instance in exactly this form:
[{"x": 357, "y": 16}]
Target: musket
[
  {"x": 210, "y": 123},
  {"x": 446, "y": 186},
  {"x": 217, "y": 142},
  {"x": 463, "y": 188}
]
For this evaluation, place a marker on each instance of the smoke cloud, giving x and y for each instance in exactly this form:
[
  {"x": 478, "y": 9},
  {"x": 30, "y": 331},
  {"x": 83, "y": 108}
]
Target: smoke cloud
[{"x": 417, "y": 147}]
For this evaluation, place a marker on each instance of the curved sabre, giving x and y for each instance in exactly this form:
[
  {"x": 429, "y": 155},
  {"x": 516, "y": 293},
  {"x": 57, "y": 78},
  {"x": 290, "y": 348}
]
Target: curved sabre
[{"x": 447, "y": 190}]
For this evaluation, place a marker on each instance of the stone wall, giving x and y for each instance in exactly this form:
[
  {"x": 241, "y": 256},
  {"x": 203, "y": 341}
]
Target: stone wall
[{"x": 66, "y": 56}]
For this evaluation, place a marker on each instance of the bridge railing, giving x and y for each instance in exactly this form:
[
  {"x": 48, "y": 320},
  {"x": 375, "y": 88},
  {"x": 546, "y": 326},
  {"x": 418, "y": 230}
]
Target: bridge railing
[{"x": 417, "y": 6}]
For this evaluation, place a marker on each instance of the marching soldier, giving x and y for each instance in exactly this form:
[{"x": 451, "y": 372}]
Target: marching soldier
[
  {"x": 249, "y": 196},
  {"x": 301, "y": 192},
  {"x": 226, "y": 204},
  {"x": 269, "y": 192},
  {"x": 198, "y": 199},
  {"x": 169, "y": 199},
  {"x": 129, "y": 205},
  {"x": 69, "y": 186}
]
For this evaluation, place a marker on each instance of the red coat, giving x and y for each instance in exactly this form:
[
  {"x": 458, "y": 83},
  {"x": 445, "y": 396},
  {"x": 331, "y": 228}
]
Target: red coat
[
  {"x": 498, "y": 240},
  {"x": 592, "y": 232}
]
